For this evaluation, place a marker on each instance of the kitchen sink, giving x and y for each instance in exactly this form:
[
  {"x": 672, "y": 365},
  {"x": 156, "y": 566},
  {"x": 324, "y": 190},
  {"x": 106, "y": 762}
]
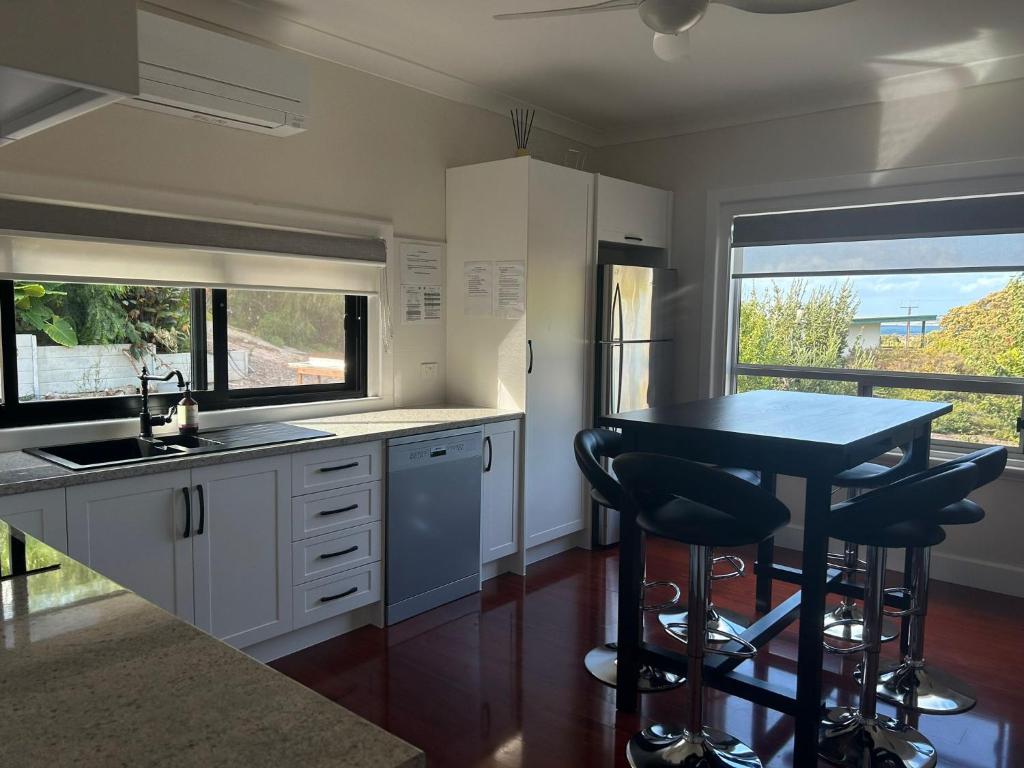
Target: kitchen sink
[{"x": 135, "y": 450}]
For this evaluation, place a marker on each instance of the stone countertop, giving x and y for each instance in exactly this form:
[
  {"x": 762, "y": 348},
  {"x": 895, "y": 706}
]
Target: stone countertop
[
  {"x": 21, "y": 472},
  {"x": 93, "y": 675}
]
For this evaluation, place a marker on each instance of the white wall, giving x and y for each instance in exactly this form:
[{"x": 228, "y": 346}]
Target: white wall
[
  {"x": 375, "y": 149},
  {"x": 981, "y": 123}
]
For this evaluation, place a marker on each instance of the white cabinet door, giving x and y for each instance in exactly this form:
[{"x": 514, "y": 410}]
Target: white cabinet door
[
  {"x": 134, "y": 532},
  {"x": 500, "y": 491},
  {"x": 558, "y": 271},
  {"x": 243, "y": 571},
  {"x": 41, "y": 514},
  {"x": 632, "y": 213}
]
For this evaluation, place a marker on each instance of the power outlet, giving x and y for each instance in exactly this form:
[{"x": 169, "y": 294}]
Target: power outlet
[{"x": 428, "y": 371}]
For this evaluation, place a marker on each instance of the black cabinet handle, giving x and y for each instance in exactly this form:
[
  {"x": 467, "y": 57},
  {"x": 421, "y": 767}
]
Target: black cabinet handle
[
  {"x": 188, "y": 512},
  {"x": 349, "y": 551},
  {"x": 350, "y": 465},
  {"x": 202, "y": 511},
  {"x": 338, "y": 511},
  {"x": 346, "y": 593},
  {"x": 490, "y": 453},
  {"x": 634, "y": 238},
  {"x": 529, "y": 345}
]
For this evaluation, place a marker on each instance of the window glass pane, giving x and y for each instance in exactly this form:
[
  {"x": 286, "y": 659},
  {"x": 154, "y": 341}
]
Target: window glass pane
[
  {"x": 967, "y": 323},
  {"x": 78, "y": 340},
  {"x": 284, "y": 338},
  {"x": 750, "y": 383},
  {"x": 976, "y": 418}
]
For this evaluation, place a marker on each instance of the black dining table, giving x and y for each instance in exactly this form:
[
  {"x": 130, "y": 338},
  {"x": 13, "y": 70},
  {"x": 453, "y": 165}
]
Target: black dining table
[{"x": 799, "y": 434}]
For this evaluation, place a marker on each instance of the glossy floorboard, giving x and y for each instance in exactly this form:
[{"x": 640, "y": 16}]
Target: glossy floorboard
[{"x": 497, "y": 679}]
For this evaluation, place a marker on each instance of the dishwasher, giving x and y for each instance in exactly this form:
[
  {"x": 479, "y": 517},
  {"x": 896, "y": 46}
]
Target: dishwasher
[{"x": 433, "y": 521}]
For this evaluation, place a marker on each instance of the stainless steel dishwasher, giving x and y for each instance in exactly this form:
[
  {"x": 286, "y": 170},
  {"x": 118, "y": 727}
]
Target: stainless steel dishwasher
[{"x": 433, "y": 520}]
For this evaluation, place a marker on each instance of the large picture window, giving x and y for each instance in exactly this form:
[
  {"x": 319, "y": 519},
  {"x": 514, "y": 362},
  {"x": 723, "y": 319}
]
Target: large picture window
[
  {"x": 74, "y": 350},
  {"x": 887, "y": 303}
]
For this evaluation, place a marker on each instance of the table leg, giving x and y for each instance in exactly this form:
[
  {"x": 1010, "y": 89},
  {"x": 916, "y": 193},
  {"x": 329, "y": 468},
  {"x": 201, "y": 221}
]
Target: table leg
[
  {"x": 630, "y": 628},
  {"x": 812, "y": 611},
  {"x": 765, "y": 558}
]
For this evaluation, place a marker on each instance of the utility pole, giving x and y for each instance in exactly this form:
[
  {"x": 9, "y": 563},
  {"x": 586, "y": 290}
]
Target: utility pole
[{"x": 910, "y": 311}]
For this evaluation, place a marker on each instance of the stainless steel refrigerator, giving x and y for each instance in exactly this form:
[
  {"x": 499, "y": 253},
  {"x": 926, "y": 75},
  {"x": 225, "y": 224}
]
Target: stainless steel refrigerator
[{"x": 634, "y": 351}]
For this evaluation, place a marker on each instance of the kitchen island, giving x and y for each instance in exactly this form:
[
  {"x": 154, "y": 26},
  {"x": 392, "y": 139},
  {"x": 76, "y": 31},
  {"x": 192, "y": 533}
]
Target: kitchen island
[{"x": 91, "y": 674}]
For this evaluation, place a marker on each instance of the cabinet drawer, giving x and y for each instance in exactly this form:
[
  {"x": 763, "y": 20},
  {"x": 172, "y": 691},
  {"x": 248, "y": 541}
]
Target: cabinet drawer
[
  {"x": 335, "y": 467},
  {"x": 335, "y": 552},
  {"x": 335, "y": 595},
  {"x": 319, "y": 513}
]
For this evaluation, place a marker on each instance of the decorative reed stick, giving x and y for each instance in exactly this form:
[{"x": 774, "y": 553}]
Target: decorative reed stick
[{"x": 522, "y": 126}]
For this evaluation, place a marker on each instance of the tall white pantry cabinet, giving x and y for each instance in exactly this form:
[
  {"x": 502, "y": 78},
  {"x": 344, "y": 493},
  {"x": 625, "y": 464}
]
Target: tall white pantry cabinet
[{"x": 541, "y": 216}]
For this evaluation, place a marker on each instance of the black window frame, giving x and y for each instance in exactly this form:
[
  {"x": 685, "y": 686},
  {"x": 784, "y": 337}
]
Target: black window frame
[{"x": 14, "y": 413}]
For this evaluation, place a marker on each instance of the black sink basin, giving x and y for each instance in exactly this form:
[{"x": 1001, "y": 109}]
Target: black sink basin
[{"x": 133, "y": 450}]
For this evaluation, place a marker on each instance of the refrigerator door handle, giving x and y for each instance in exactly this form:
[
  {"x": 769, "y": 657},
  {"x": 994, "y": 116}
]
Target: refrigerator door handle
[
  {"x": 618, "y": 392},
  {"x": 617, "y": 313}
]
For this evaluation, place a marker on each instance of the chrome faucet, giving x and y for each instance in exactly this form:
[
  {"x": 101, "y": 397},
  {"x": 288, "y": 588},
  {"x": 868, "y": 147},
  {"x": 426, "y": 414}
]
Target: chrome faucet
[{"x": 149, "y": 420}]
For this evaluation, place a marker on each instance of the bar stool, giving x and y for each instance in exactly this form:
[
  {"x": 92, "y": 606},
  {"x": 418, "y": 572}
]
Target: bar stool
[
  {"x": 845, "y": 620},
  {"x": 911, "y": 683},
  {"x": 591, "y": 447},
  {"x": 720, "y": 628},
  {"x": 901, "y": 515},
  {"x": 711, "y": 508}
]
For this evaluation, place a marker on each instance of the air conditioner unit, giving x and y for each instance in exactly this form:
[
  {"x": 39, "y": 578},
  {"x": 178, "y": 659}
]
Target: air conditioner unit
[{"x": 202, "y": 75}]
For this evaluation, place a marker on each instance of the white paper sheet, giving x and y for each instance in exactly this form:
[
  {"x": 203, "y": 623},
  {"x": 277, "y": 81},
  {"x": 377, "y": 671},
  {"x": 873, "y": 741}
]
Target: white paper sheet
[
  {"x": 510, "y": 289},
  {"x": 422, "y": 304},
  {"x": 420, "y": 264},
  {"x": 477, "y": 287}
]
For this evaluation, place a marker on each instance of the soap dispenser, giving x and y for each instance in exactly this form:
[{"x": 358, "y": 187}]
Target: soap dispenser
[{"x": 188, "y": 413}]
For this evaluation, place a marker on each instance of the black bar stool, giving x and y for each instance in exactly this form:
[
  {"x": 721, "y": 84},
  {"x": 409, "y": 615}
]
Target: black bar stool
[
  {"x": 911, "y": 683},
  {"x": 901, "y": 515},
  {"x": 591, "y": 447},
  {"x": 845, "y": 620},
  {"x": 710, "y": 508},
  {"x": 720, "y": 628}
]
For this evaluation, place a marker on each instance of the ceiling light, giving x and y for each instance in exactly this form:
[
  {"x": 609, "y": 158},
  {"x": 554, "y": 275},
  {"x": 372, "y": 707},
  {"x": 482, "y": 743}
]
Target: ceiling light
[
  {"x": 672, "y": 16},
  {"x": 672, "y": 47}
]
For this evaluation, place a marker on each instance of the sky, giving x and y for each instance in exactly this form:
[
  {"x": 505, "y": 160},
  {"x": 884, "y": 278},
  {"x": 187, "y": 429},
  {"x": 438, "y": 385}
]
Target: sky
[{"x": 891, "y": 294}]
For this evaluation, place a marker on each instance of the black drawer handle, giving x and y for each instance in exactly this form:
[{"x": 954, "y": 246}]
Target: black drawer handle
[
  {"x": 349, "y": 551},
  {"x": 338, "y": 511},
  {"x": 346, "y": 593},
  {"x": 350, "y": 465},
  {"x": 634, "y": 238}
]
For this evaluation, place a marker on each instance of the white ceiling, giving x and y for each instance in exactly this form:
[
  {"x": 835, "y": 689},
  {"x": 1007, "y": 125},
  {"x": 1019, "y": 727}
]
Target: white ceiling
[{"x": 596, "y": 79}]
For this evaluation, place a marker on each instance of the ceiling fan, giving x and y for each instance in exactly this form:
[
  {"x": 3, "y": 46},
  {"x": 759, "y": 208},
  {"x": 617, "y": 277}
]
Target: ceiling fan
[{"x": 671, "y": 20}]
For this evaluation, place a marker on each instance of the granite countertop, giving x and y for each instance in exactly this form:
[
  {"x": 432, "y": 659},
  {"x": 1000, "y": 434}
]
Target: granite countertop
[
  {"x": 93, "y": 675},
  {"x": 21, "y": 472}
]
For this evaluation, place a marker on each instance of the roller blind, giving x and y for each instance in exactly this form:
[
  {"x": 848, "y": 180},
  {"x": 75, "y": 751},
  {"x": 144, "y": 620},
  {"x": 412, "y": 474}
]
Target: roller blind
[
  {"x": 89, "y": 245},
  {"x": 970, "y": 234}
]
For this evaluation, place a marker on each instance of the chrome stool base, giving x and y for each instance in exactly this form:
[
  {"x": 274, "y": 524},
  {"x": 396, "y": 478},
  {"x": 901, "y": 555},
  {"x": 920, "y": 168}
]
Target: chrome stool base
[
  {"x": 719, "y": 627},
  {"x": 847, "y": 739},
  {"x": 602, "y": 662},
  {"x": 914, "y": 686},
  {"x": 662, "y": 746},
  {"x": 846, "y": 622}
]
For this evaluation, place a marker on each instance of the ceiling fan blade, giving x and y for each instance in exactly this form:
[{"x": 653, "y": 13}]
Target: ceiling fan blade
[
  {"x": 608, "y": 5},
  {"x": 781, "y": 6}
]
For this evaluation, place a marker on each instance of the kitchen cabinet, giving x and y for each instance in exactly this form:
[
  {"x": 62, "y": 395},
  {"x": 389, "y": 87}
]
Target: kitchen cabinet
[
  {"x": 242, "y": 554},
  {"x": 633, "y": 214},
  {"x": 526, "y": 214},
  {"x": 499, "y": 508},
  {"x": 134, "y": 531},
  {"x": 211, "y": 545},
  {"x": 41, "y": 514}
]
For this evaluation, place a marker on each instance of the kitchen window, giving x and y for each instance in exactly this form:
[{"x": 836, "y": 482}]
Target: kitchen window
[
  {"x": 918, "y": 301},
  {"x": 73, "y": 351}
]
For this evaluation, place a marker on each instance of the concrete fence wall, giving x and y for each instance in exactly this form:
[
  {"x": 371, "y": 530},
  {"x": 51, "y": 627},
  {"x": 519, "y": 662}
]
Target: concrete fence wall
[{"x": 54, "y": 371}]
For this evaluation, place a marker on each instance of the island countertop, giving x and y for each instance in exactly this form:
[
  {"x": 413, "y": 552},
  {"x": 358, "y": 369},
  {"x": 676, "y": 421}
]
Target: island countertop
[
  {"x": 93, "y": 675},
  {"x": 21, "y": 472}
]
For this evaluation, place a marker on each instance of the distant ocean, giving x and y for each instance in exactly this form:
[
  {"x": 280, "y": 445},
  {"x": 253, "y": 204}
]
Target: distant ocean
[{"x": 900, "y": 329}]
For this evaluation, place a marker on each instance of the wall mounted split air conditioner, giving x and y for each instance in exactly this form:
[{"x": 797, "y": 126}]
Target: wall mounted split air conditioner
[{"x": 192, "y": 72}]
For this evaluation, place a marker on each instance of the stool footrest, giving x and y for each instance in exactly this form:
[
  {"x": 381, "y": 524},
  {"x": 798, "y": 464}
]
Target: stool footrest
[
  {"x": 737, "y": 567},
  {"x": 680, "y": 632},
  {"x": 670, "y": 603},
  {"x": 848, "y": 649},
  {"x": 907, "y": 594}
]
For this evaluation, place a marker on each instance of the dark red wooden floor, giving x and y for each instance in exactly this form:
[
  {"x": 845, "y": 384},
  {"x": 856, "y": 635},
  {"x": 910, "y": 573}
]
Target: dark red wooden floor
[{"x": 497, "y": 679}]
